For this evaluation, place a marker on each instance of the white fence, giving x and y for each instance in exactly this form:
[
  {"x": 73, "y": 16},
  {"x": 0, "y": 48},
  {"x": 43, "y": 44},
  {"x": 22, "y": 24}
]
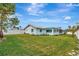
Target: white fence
[{"x": 14, "y": 32}]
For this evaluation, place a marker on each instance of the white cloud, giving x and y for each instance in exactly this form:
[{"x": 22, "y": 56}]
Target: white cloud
[
  {"x": 67, "y": 17},
  {"x": 35, "y": 9},
  {"x": 46, "y": 20},
  {"x": 18, "y": 15},
  {"x": 67, "y": 7},
  {"x": 58, "y": 11},
  {"x": 14, "y": 15},
  {"x": 65, "y": 22},
  {"x": 72, "y": 4},
  {"x": 63, "y": 10}
]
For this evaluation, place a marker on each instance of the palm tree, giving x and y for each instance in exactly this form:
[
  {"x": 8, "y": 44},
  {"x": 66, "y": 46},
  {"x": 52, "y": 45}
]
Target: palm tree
[{"x": 5, "y": 11}]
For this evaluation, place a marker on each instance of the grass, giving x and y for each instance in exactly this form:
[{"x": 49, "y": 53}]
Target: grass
[{"x": 29, "y": 45}]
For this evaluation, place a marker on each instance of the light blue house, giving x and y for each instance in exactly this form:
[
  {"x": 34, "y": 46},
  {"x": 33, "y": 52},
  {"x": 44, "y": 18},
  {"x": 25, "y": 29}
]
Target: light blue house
[{"x": 30, "y": 29}]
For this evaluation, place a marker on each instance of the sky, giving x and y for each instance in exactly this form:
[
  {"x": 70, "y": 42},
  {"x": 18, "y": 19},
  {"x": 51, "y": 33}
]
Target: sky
[{"x": 47, "y": 14}]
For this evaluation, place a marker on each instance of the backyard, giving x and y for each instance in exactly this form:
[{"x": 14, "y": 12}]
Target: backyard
[{"x": 30, "y": 45}]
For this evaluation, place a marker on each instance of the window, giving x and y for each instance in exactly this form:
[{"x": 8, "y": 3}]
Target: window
[
  {"x": 40, "y": 30},
  {"x": 56, "y": 30},
  {"x": 60, "y": 31},
  {"x": 48, "y": 30},
  {"x": 32, "y": 30}
]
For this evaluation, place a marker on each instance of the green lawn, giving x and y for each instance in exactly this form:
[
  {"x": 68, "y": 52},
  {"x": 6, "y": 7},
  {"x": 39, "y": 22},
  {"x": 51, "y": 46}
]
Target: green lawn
[{"x": 18, "y": 45}]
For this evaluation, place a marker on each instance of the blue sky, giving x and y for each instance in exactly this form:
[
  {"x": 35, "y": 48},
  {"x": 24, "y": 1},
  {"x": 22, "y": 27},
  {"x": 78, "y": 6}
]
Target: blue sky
[{"x": 47, "y": 14}]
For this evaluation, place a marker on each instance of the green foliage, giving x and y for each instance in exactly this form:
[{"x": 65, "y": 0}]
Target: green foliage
[
  {"x": 15, "y": 21},
  {"x": 7, "y": 10}
]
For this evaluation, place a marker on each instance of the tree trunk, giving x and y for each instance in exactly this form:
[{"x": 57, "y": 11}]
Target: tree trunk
[
  {"x": 1, "y": 35},
  {"x": 1, "y": 31}
]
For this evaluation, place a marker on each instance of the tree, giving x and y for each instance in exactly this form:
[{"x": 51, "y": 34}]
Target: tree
[
  {"x": 69, "y": 27},
  {"x": 14, "y": 21},
  {"x": 19, "y": 27},
  {"x": 5, "y": 11}
]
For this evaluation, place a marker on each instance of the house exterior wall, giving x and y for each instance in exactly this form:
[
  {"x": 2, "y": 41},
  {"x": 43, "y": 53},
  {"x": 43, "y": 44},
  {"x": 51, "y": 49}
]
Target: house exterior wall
[
  {"x": 77, "y": 34},
  {"x": 28, "y": 30},
  {"x": 55, "y": 33},
  {"x": 43, "y": 31},
  {"x": 37, "y": 31},
  {"x": 50, "y": 33}
]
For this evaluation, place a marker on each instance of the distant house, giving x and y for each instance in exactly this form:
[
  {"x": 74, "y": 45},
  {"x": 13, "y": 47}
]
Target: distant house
[
  {"x": 73, "y": 29},
  {"x": 70, "y": 33},
  {"x": 30, "y": 29},
  {"x": 77, "y": 33}
]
